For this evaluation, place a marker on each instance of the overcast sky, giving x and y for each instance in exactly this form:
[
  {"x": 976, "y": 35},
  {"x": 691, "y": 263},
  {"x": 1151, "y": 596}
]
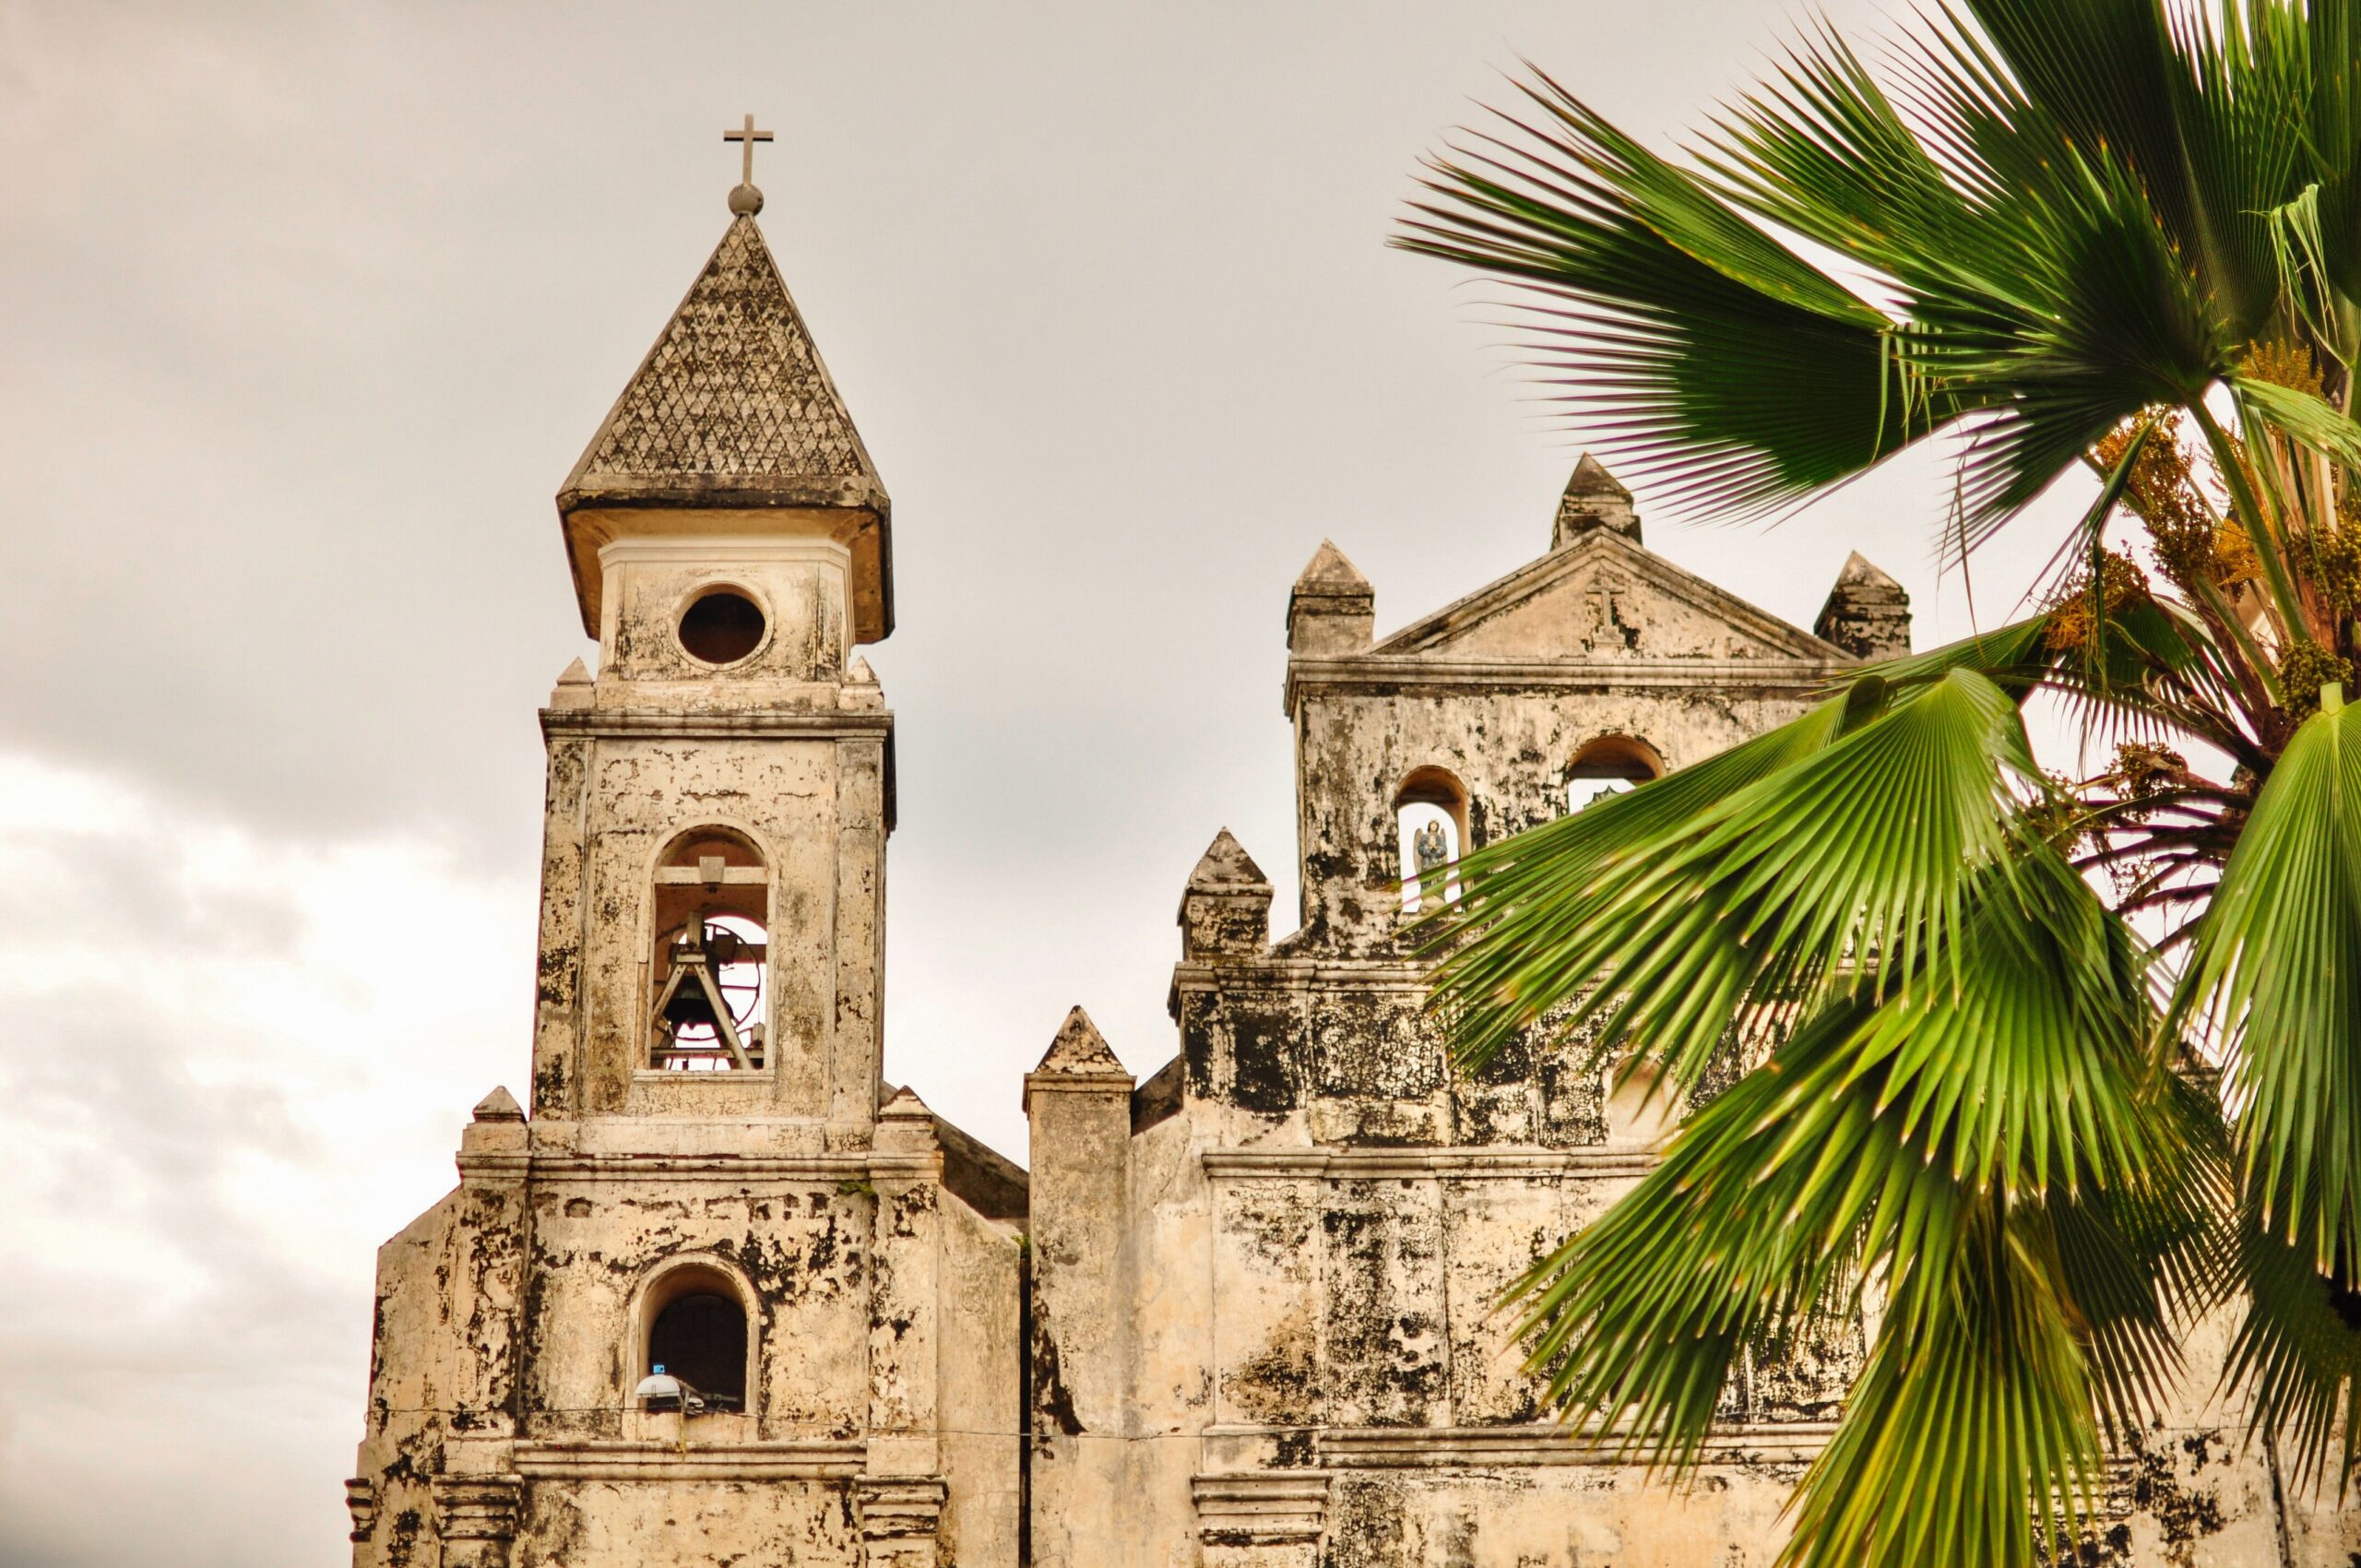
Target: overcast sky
[{"x": 305, "y": 312}]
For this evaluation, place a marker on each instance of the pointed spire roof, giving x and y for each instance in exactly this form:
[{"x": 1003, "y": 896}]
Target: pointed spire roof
[
  {"x": 1329, "y": 571},
  {"x": 499, "y": 1105},
  {"x": 732, "y": 401},
  {"x": 733, "y": 409},
  {"x": 1079, "y": 1048},
  {"x": 1594, "y": 498},
  {"x": 1225, "y": 867}
]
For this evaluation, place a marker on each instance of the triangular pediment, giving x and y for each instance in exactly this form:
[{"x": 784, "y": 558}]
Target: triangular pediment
[{"x": 1604, "y": 599}]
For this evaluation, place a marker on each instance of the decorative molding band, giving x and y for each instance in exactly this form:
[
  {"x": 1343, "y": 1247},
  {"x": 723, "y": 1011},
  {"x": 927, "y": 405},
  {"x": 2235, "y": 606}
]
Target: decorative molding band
[
  {"x": 1471, "y": 1164},
  {"x": 609, "y": 1460},
  {"x": 1769, "y": 1442},
  {"x": 916, "y": 1167},
  {"x": 723, "y": 551},
  {"x": 899, "y": 1507},
  {"x": 901, "y": 1520},
  {"x": 1261, "y": 1508},
  {"x": 1780, "y": 675},
  {"x": 1259, "y": 972},
  {"x": 1114, "y": 1086},
  {"x": 672, "y": 723},
  {"x": 361, "y": 1502},
  {"x": 479, "y": 1508}
]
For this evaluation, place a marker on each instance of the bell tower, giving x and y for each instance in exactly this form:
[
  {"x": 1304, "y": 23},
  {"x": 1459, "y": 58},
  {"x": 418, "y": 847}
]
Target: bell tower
[
  {"x": 719, "y": 1296},
  {"x": 718, "y": 799}
]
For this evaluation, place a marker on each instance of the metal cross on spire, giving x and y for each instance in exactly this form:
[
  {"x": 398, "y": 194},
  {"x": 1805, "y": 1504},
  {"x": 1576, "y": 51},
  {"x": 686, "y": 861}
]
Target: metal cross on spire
[{"x": 746, "y": 200}]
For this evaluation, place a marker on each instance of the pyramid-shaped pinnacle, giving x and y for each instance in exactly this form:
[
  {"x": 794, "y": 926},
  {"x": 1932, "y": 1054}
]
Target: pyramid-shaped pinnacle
[
  {"x": 906, "y": 1126},
  {"x": 1867, "y": 613},
  {"x": 1330, "y": 608},
  {"x": 1079, "y": 1048},
  {"x": 499, "y": 1105},
  {"x": 1861, "y": 573},
  {"x": 1591, "y": 478},
  {"x": 1225, "y": 867},
  {"x": 1329, "y": 571},
  {"x": 574, "y": 687},
  {"x": 1593, "y": 499}
]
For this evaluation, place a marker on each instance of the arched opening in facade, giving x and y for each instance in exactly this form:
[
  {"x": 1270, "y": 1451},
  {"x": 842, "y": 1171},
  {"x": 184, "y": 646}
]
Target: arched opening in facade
[
  {"x": 709, "y": 989},
  {"x": 1430, "y": 826},
  {"x": 1610, "y": 765},
  {"x": 692, "y": 1321}
]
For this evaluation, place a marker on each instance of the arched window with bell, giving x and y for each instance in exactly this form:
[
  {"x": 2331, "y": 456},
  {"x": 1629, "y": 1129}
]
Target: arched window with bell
[{"x": 709, "y": 973}]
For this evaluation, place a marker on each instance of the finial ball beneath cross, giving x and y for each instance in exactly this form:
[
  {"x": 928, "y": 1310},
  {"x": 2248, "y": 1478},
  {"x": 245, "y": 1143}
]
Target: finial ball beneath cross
[{"x": 745, "y": 200}]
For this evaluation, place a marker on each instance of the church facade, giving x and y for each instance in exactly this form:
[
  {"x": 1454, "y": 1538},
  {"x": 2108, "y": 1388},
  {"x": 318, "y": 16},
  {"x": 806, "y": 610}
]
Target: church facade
[{"x": 718, "y": 1293}]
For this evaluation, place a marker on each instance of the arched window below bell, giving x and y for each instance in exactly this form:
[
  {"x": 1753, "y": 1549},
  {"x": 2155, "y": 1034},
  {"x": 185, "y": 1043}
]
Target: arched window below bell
[
  {"x": 1610, "y": 765},
  {"x": 708, "y": 975},
  {"x": 1430, "y": 828},
  {"x": 694, "y": 1335}
]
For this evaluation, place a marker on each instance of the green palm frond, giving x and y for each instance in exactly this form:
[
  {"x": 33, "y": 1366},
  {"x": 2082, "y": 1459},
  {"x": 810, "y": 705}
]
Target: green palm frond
[
  {"x": 2277, "y": 965},
  {"x": 2063, "y": 210},
  {"x": 1676, "y": 309},
  {"x": 1973, "y": 1400},
  {"x": 1988, "y": 1091},
  {"x": 2115, "y": 235},
  {"x": 1744, "y": 893},
  {"x": 2298, "y": 1349}
]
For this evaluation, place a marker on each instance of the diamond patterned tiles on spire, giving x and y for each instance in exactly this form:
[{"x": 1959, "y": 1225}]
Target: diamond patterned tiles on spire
[{"x": 732, "y": 397}]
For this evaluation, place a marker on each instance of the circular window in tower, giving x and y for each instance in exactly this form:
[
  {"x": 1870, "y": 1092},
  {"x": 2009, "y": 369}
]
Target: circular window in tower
[{"x": 721, "y": 626}]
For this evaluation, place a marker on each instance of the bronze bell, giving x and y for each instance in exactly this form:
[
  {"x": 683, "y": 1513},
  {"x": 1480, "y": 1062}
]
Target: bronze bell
[
  {"x": 689, "y": 1001},
  {"x": 688, "y": 1006}
]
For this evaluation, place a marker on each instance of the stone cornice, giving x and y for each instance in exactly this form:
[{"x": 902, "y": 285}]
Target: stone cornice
[
  {"x": 1361, "y": 976},
  {"x": 568, "y": 1167},
  {"x": 1373, "y": 672},
  {"x": 1114, "y": 1085},
  {"x": 1760, "y": 1443},
  {"x": 1462, "y": 1164},
  {"x": 672, "y": 723},
  {"x": 1261, "y": 1508},
  {"x": 611, "y": 1460}
]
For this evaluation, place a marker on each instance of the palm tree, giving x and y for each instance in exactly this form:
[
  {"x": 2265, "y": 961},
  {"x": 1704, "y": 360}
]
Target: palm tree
[{"x": 2044, "y": 1069}]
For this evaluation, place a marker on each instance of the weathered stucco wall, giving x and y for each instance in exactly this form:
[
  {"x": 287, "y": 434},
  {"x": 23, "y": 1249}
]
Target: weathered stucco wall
[
  {"x": 876, "y": 1256},
  {"x": 1244, "y": 1314},
  {"x": 813, "y": 805},
  {"x": 1289, "y": 1267}
]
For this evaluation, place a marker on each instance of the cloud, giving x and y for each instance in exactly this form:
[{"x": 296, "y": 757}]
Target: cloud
[{"x": 231, "y": 1066}]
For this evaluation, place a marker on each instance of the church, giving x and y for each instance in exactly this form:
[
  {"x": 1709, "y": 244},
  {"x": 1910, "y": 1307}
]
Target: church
[{"x": 716, "y": 1292}]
